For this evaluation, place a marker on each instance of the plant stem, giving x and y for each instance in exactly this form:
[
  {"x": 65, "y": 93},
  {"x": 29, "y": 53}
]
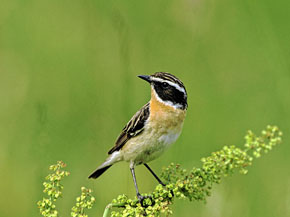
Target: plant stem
[{"x": 110, "y": 206}]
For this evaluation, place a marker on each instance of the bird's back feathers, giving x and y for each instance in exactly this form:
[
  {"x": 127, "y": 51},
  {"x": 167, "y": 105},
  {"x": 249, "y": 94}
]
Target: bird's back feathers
[{"x": 133, "y": 128}]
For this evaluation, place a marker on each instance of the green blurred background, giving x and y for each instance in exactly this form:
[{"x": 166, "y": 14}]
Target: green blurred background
[{"x": 68, "y": 85}]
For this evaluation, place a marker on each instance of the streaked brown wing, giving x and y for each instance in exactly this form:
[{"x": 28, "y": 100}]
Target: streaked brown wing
[{"x": 133, "y": 128}]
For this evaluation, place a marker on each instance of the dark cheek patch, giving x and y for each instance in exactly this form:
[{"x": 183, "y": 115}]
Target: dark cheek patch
[{"x": 171, "y": 94}]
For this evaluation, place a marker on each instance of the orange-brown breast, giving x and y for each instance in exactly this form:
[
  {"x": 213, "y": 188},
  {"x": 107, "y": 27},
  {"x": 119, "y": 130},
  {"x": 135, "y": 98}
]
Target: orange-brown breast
[{"x": 165, "y": 115}]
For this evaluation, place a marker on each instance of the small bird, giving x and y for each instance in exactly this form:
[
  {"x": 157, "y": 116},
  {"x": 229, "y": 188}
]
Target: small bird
[{"x": 152, "y": 129}]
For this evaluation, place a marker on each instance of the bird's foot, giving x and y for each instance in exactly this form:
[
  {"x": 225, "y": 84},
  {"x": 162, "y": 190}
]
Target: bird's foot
[{"x": 142, "y": 201}]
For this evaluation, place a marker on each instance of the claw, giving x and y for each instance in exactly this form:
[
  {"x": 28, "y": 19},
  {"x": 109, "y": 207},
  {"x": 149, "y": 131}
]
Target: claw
[{"x": 142, "y": 198}]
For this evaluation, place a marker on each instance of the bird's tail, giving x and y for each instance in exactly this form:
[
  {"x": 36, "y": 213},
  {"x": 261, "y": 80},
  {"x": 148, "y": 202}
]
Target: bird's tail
[
  {"x": 99, "y": 172},
  {"x": 113, "y": 158}
]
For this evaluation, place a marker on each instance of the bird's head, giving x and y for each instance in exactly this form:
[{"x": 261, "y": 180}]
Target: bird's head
[{"x": 168, "y": 89}]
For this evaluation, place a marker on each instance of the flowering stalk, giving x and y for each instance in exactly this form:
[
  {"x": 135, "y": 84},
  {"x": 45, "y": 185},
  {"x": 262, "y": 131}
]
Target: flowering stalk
[
  {"x": 53, "y": 188},
  {"x": 85, "y": 201},
  {"x": 196, "y": 184}
]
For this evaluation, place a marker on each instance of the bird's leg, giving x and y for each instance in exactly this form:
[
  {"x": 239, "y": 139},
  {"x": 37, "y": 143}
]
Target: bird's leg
[
  {"x": 139, "y": 196},
  {"x": 135, "y": 182},
  {"x": 156, "y": 177}
]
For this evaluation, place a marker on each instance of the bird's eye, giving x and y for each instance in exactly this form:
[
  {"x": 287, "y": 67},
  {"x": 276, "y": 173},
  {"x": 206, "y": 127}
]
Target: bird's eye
[{"x": 165, "y": 84}]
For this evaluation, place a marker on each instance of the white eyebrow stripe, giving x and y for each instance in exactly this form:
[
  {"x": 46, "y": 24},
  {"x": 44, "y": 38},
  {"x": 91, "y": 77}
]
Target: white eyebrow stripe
[{"x": 181, "y": 89}]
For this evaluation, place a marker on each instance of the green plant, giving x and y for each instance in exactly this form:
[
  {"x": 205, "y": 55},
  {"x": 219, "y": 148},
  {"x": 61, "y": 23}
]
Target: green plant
[
  {"x": 85, "y": 201},
  {"x": 53, "y": 188},
  {"x": 196, "y": 184}
]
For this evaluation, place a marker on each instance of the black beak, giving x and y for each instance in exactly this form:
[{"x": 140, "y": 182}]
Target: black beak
[{"x": 145, "y": 77}]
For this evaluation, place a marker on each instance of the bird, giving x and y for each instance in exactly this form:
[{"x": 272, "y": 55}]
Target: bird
[{"x": 152, "y": 129}]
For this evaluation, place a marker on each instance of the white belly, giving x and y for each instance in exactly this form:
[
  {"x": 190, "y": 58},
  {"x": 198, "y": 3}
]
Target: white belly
[
  {"x": 150, "y": 144},
  {"x": 169, "y": 138}
]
